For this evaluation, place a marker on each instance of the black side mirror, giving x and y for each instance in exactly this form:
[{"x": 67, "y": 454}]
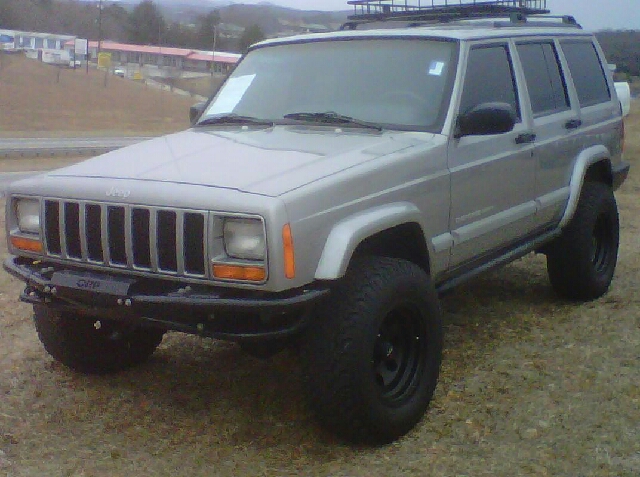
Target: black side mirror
[
  {"x": 196, "y": 111},
  {"x": 486, "y": 119}
]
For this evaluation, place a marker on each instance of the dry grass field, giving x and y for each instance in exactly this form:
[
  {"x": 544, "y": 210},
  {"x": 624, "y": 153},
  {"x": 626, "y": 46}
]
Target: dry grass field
[
  {"x": 39, "y": 100},
  {"x": 203, "y": 86},
  {"x": 531, "y": 386}
]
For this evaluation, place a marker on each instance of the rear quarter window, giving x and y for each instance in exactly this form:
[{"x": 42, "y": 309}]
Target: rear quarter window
[{"x": 587, "y": 72}]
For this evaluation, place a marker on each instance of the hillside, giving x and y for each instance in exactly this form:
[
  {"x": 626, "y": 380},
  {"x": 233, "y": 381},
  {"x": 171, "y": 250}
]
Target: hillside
[
  {"x": 36, "y": 99},
  {"x": 272, "y": 19},
  {"x": 181, "y": 19}
]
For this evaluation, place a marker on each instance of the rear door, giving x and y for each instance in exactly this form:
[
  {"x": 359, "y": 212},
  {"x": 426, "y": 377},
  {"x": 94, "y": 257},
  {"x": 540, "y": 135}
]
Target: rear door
[
  {"x": 492, "y": 177},
  {"x": 600, "y": 111},
  {"x": 556, "y": 125}
]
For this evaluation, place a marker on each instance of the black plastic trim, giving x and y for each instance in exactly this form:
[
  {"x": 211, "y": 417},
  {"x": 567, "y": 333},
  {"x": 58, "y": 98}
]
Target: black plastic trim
[
  {"x": 620, "y": 173},
  {"x": 474, "y": 268}
]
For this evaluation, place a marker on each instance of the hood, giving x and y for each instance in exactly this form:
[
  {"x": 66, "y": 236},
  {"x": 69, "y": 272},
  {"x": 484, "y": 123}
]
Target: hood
[{"x": 268, "y": 162}]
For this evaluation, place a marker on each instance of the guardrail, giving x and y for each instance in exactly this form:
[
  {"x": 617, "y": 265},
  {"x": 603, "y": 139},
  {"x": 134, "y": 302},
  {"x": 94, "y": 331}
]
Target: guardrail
[{"x": 56, "y": 147}]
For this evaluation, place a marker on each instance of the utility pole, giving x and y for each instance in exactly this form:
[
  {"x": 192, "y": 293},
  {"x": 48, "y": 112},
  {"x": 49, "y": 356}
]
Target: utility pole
[
  {"x": 213, "y": 53},
  {"x": 106, "y": 70},
  {"x": 99, "y": 26}
]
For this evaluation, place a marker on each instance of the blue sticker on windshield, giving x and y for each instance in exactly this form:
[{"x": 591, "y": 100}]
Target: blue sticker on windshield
[{"x": 436, "y": 68}]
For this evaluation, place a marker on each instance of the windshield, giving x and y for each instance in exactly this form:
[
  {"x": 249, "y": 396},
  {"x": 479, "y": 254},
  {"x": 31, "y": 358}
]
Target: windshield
[{"x": 395, "y": 83}]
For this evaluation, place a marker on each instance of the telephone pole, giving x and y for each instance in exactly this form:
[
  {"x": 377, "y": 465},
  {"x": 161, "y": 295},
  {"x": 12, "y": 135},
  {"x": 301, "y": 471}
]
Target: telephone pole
[
  {"x": 99, "y": 26},
  {"x": 213, "y": 53}
]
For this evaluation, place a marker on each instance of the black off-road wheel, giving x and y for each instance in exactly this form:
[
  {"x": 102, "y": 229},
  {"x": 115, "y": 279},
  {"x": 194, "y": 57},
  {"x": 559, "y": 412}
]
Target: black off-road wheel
[
  {"x": 582, "y": 261},
  {"x": 91, "y": 345},
  {"x": 373, "y": 356}
]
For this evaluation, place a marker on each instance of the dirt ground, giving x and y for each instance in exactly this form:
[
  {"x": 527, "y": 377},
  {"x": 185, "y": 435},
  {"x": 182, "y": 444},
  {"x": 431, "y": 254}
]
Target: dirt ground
[{"x": 531, "y": 386}]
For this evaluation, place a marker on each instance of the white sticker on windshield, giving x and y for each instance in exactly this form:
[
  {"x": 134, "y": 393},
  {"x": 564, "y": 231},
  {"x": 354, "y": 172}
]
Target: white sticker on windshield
[
  {"x": 231, "y": 94},
  {"x": 436, "y": 68}
]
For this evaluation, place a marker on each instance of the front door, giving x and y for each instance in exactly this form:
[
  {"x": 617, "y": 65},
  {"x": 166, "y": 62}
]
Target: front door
[{"x": 492, "y": 177}]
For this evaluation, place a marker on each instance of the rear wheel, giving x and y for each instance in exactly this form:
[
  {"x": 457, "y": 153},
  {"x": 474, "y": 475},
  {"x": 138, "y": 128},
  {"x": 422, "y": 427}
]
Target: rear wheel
[
  {"x": 582, "y": 261},
  {"x": 92, "y": 345},
  {"x": 373, "y": 356}
]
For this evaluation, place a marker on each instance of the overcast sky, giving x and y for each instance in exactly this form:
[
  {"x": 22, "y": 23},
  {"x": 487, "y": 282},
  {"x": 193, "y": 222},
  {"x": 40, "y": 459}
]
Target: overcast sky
[{"x": 592, "y": 14}]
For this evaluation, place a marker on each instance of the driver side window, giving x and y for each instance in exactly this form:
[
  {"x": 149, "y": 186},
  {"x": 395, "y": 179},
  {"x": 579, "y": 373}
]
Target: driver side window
[{"x": 489, "y": 79}]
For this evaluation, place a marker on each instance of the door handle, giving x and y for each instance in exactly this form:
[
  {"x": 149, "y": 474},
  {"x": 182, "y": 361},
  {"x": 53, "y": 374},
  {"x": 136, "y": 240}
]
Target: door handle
[
  {"x": 573, "y": 124},
  {"x": 526, "y": 138}
]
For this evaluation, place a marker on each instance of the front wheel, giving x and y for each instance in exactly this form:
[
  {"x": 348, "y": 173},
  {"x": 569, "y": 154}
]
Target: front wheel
[
  {"x": 373, "y": 355},
  {"x": 91, "y": 345},
  {"x": 581, "y": 262}
]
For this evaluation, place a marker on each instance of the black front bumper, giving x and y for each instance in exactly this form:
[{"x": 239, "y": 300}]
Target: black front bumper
[{"x": 237, "y": 315}]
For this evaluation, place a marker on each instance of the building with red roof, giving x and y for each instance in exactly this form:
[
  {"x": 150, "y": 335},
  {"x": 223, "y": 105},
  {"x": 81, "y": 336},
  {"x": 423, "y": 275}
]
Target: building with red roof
[{"x": 124, "y": 54}]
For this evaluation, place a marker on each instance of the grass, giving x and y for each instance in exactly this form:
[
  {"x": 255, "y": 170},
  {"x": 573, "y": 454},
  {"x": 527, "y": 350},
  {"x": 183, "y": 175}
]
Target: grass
[
  {"x": 202, "y": 86},
  {"x": 42, "y": 100},
  {"x": 531, "y": 386}
]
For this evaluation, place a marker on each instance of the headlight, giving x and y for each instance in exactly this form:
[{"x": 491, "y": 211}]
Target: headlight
[
  {"x": 244, "y": 238},
  {"x": 28, "y": 215}
]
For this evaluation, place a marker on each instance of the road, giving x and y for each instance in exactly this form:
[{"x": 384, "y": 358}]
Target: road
[
  {"x": 35, "y": 147},
  {"x": 56, "y": 147}
]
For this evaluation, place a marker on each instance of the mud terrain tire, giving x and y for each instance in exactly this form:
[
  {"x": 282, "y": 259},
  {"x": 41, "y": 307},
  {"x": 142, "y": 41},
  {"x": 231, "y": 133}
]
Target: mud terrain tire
[
  {"x": 75, "y": 342},
  {"x": 581, "y": 262},
  {"x": 373, "y": 356}
]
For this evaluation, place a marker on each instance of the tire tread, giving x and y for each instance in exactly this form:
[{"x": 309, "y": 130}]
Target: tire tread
[
  {"x": 569, "y": 266},
  {"x": 330, "y": 358},
  {"x": 70, "y": 339}
]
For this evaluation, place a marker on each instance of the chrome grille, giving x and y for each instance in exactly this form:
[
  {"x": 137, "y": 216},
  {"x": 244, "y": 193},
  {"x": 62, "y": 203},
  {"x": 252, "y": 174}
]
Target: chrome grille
[{"x": 137, "y": 238}]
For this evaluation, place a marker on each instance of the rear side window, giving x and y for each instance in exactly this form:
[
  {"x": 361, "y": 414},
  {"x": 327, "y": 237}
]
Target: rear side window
[
  {"x": 546, "y": 86},
  {"x": 587, "y": 73},
  {"x": 489, "y": 79}
]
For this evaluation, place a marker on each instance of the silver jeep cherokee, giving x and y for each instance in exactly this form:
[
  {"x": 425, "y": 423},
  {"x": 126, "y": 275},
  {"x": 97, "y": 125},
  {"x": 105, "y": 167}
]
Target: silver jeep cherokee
[{"x": 325, "y": 196}]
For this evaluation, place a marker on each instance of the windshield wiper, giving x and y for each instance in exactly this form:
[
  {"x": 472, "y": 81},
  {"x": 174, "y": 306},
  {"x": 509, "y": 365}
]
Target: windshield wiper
[
  {"x": 331, "y": 117},
  {"x": 233, "y": 118}
]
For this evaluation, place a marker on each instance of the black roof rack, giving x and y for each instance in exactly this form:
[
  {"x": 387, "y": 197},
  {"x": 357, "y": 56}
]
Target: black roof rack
[
  {"x": 386, "y": 9},
  {"x": 367, "y": 11}
]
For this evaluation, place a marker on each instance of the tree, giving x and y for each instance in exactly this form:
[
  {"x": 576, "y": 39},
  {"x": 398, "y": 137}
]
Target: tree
[
  {"x": 7, "y": 14},
  {"x": 621, "y": 48},
  {"x": 180, "y": 36},
  {"x": 114, "y": 22},
  {"x": 206, "y": 28},
  {"x": 146, "y": 24},
  {"x": 251, "y": 35}
]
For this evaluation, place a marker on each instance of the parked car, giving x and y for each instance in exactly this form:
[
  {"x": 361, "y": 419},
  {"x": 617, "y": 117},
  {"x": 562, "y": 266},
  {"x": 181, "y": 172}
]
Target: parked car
[
  {"x": 119, "y": 72},
  {"x": 327, "y": 194}
]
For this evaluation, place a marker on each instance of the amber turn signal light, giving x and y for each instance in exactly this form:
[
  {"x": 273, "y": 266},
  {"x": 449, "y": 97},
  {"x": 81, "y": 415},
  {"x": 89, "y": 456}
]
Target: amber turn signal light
[
  {"x": 289, "y": 256},
  {"x": 27, "y": 244},
  {"x": 237, "y": 272}
]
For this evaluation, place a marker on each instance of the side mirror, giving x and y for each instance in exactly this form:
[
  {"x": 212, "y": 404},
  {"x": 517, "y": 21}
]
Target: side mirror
[
  {"x": 196, "y": 111},
  {"x": 486, "y": 119}
]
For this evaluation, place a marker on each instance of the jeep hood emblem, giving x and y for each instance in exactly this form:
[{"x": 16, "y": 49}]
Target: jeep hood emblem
[{"x": 121, "y": 193}]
